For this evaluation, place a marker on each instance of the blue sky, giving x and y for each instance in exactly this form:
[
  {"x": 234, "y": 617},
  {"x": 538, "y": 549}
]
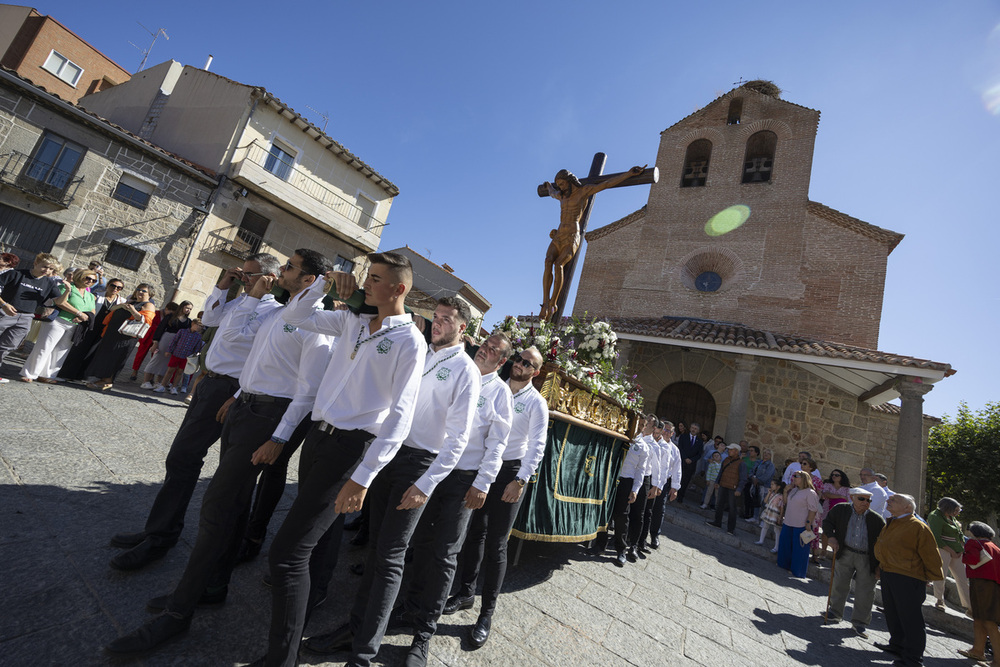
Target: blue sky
[{"x": 468, "y": 106}]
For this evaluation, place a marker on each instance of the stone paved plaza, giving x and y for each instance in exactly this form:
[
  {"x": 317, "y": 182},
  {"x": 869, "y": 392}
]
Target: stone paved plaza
[{"x": 79, "y": 465}]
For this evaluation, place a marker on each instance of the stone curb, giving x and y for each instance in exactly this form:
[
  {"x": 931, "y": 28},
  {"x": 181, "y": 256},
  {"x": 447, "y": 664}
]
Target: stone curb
[{"x": 690, "y": 518}]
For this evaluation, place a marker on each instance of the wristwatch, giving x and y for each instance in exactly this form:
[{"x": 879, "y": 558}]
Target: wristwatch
[
  {"x": 521, "y": 481},
  {"x": 279, "y": 441}
]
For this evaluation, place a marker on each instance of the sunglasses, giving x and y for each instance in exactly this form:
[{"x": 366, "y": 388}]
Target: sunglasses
[
  {"x": 524, "y": 362},
  {"x": 142, "y": 291},
  {"x": 88, "y": 279},
  {"x": 116, "y": 286},
  {"x": 288, "y": 267},
  {"x": 865, "y": 500}
]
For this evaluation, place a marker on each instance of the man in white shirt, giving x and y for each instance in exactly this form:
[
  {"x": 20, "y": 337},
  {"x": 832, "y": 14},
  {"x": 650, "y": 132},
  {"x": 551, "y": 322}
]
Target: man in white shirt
[
  {"x": 650, "y": 490},
  {"x": 796, "y": 466},
  {"x": 445, "y": 408},
  {"x": 442, "y": 529},
  {"x": 490, "y": 527},
  {"x": 200, "y": 428},
  {"x": 869, "y": 482},
  {"x": 368, "y": 395},
  {"x": 883, "y": 481},
  {"x": 626, "y": 494},
  {"x": 277, "y": 388},
  {"x": 669, "y": 470}
]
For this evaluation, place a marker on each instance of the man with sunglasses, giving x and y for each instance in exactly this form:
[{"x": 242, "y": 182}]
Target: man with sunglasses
[
  {"x": 201, "y": 427},
  {"x": 853, "y": 529},
  {"x": 277, "y": 388},
  {"x": 22, "y": 291},
  {"x": 490, "y": 526}
]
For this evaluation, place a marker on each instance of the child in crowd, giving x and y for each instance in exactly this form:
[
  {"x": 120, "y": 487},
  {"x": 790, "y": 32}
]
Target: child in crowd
[
  {"x": 770, "y": 516},
  {"x": 712, "y": 474},
  {"x": 186, "y": 343}
]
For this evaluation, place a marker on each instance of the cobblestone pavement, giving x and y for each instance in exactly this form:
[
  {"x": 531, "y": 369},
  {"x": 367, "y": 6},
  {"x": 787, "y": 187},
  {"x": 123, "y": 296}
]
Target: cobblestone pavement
[{"x": 79, "y": 465}]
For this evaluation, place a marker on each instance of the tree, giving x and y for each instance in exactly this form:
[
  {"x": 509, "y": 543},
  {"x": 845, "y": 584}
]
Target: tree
[{"x": 963, "y": 462}]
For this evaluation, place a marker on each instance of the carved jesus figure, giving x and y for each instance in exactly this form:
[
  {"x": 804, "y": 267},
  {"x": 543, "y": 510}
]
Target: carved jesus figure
[{"x": 572, "y": 196}]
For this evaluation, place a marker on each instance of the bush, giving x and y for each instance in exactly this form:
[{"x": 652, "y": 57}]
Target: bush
[{"x": 963, "y": 462}]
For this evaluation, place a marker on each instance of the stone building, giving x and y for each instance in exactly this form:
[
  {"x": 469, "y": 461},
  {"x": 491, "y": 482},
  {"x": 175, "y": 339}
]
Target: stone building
[
  {"x": 748, "y": 308},
  {"x": 52, "y": 56},
  {"x": 432, "y": 281},
  {"x": 77, "y": 186},
  {"x": 285, "y": 183}
]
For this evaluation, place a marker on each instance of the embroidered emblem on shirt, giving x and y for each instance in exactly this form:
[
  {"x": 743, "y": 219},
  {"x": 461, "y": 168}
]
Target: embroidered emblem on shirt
[
  {"x": 253, "y": 316},
  {"x": 443, "y": 374},
  {"x": 481, "y": 402},
  {"x": 519, "y": 408},
  {"x": 384, "y": 346},
  {"x": 288, "y": 328}
]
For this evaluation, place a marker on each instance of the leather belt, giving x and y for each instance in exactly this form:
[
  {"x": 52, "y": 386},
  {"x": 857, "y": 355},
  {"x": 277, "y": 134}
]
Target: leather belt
[
  {"x": 262, "y": 398},
  {"x": 213, "y": 374},
  {"x": 325, "y": 427},
  {"x": 857, "y": 551}
]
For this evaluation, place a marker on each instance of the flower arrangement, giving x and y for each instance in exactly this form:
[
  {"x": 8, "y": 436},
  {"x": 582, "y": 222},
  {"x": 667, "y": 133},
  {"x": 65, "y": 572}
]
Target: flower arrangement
[{"x": 584, "y": 349}]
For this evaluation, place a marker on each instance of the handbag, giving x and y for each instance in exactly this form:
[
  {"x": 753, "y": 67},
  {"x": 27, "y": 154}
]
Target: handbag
[
  {"x": 133, "y": 328},
  {"x": 806, "y": 536},
  {"x": 191, "y": 367}
]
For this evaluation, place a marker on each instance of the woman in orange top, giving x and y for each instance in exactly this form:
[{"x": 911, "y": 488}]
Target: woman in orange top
[{"x": 113, "y": 350}]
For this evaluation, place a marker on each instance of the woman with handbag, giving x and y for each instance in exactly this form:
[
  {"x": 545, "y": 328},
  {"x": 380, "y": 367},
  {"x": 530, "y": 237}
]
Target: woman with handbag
[
  {"x": 88, "y": 335},
  {"x": 118, "y": 338},
  {"x": 55, "y": 337},
  {"x": 797, "y": 517}
]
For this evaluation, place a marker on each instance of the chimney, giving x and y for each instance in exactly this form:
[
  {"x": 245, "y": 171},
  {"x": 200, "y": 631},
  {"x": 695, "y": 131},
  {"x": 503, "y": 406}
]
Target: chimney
[{"x": 208, "y": 63}]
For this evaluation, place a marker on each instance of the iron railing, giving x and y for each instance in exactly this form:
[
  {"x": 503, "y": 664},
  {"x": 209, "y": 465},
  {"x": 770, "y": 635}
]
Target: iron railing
[
  {"x": 39, "y": 178},
  {"x": 314, "y": 188},
  {"x": 237, "y": 242}
]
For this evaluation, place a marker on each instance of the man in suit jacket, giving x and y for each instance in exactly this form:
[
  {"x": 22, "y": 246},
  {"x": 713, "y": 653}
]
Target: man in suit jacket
[
  {"x": 690, "y": 445},
  {"x": 853, "y": 529}
]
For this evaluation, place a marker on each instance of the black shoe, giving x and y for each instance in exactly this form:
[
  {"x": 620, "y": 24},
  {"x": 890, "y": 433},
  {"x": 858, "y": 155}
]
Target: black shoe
[
  {"x": 888, "y": 649},
  {"x": 481, "y": 631},
  {"x": 207, "y": 599},
  {"x": 128, "y": 540},
  {"x": 630, "y": 555},
  {"x": 358, "y": 568},
  {"x": 417, "y": 655},
  {"x": 249, "y": 549},
  {"x": 259, "y": 662},
  {"x": 712, "y": 523},
  {"x": 654, "y": 543},
  {"x": 150, "y": 635},
  {"x": 457, "y": 603},
  {"x": 643, "y": 549},
  {"x": 641, "y": 554},
  {"x": 830, "y": 619},
  {"x": 139, "y": 556},
  {"x": 400, "y": 622},
  {"x": 620, "y": 559},
  {"x": 731, "y": 532},
  {"x": 339, "y": 640},
  {"x": 861, "y": 631}
]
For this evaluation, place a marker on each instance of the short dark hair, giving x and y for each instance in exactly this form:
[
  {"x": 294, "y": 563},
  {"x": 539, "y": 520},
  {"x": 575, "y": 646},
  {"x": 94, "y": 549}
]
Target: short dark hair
[
  {"x": 755, "y": 448},
  {"x": 509, "y": 347},
  {"x": 459, "y": 306},
  {"x": 269, "y": 264},
  {"x": 397, "y": 263},
  {"x": 313, "y": 263}
]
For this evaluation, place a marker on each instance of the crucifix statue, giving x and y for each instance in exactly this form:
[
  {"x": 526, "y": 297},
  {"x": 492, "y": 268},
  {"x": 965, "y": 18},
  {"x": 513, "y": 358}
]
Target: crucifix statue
[{"x": 576, "y": 199}]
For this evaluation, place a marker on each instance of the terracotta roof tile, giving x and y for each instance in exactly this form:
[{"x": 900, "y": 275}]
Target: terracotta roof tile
[
  {"x": 892, "y": 409},
  {"x": 738, "y": 335}
]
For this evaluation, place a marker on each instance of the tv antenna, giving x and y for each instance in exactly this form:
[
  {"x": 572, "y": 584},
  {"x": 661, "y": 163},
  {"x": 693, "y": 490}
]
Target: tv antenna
[
  {"x": 325, "y": 115},
  {"x": 145, "y": 52}
]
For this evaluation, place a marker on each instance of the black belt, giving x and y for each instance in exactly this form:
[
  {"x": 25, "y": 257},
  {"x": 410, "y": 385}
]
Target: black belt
[
  {"x": 325, "y": 427},
  {"x": 262, "y": 398},
  {"x": 857, "y": 551},
  {"x": 213, "y": 374}
]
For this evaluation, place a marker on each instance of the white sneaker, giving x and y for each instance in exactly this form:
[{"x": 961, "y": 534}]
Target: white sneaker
[
  {"x": 146, "y": 385},
  {"x": 753, "y": 521},
  {"x": 4, "y": 381},
  {"x": 187, "y": 399},
  {"x": 774, "y": 550},
  {"x": 159, "y": 389},
  {"x": 173, "y": 391},
  {"x": 704, "y": 507}
]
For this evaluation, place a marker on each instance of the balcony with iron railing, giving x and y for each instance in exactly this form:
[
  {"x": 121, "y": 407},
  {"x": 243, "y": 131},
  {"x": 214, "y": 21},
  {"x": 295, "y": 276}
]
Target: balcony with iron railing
[
  {"x": 39, "y": 178},
  {"x": 238, "y": 242},
  {"x": 276, "y": 178}
]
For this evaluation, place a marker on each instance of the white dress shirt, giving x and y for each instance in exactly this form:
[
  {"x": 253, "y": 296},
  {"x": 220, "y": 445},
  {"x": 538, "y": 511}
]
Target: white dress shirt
[
  {"x": 376, "y": 390},
  {"x": 490, "y": 430},
  {"x": 879, "y": 498},
  {"x": 238, "y": 323},
  {"x": 442, "y": 418},
  {"x": 528, "y": 431},
  {"x": 652, "y": 468},
  {"x": 793, "y": 468},
  {"x": 287, "y": 362},
  {"x": 635, "y": 462},
  {"x": 670, "y": 464}
]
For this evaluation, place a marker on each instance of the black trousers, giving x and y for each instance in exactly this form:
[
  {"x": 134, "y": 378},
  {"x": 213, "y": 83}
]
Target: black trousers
[
  {"x": 249, "y": 425},
  {"x": 687, "y": 473},
  {"x": 620, "y": 517},
  {"x": 389, "y": 532},
  {"x": 486, "y": 543},
  {"x": 436, "y": 543},
  {"x": 197, "y": 433},
  {"x": 325, "y": 459},
  {"x": 902, "y": 598},
  {"x": 653, "y": 518},
  {"x": 726, "y": 498},
  {"x": 636, "y": 512}
]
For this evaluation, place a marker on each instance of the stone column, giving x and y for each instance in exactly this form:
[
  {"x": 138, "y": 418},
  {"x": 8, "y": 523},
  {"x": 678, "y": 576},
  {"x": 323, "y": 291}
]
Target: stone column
[
  {"x": 736, "y": 422},
  {"x": 910, "y": 446}
]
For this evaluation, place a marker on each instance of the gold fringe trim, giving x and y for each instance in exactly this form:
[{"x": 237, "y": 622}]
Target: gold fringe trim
[{"x": 537, "y": 537}]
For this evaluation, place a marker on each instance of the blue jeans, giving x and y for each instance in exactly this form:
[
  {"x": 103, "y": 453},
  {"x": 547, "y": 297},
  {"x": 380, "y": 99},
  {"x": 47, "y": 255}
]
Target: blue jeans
[{"x": 792, "y": 555}]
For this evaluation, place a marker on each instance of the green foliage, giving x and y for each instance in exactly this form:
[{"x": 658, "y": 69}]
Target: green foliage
[{"x": 963, "y": 462}]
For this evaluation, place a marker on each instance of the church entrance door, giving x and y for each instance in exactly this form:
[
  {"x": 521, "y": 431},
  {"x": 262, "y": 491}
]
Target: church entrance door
[{"x": 687, "y": 402}]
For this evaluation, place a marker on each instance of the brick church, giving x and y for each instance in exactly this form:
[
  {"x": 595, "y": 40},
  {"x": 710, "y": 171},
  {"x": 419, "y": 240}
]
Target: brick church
[{"x": 747, "y": 307}]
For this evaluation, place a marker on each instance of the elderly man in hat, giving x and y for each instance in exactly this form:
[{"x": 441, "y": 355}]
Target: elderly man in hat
[
  {"x": 853, "y": 528},
  {"x": 908, "y": 557},
  {"x": 728, "y": 485}
]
